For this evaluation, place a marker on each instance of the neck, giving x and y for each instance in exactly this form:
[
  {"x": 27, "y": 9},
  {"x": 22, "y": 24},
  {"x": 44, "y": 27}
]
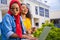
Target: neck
[{"x": 23, "y": 16}]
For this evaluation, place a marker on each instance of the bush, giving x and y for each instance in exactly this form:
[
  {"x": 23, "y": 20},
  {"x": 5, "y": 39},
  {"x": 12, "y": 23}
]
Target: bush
[{"x": 54, "y": 33}]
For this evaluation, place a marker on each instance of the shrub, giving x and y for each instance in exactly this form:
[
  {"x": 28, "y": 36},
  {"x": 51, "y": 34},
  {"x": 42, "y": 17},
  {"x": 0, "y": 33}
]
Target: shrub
[{"x": 54, "y": 33}]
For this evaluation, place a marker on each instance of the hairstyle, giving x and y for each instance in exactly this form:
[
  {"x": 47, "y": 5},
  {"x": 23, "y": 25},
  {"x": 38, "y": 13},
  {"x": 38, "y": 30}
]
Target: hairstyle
[
  {"x": 28, "y": 15},
  {"x": 12, "y": 2}
]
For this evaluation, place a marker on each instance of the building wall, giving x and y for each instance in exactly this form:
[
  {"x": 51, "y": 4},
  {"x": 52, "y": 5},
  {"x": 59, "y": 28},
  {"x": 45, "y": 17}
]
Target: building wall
[
  {"x": 55, "y": 14},
  {"x": 3, "y": 8}
]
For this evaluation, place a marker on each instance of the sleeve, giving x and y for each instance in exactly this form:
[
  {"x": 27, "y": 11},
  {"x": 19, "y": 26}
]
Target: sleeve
[{"x": 6, "y": 27}]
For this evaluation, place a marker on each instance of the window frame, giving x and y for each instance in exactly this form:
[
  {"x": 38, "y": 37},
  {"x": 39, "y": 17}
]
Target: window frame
[
  {"x": 3, "y": 1},
  {"x": 36, "y": 10},
  {"x": 41, "y": 11},
  {"x": 46, "y": 12}
]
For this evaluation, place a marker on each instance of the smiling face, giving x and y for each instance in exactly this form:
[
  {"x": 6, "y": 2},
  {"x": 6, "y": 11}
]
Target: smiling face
[
  {"x": 14, "y": 9},
  {"x": 24, "y": 9}
]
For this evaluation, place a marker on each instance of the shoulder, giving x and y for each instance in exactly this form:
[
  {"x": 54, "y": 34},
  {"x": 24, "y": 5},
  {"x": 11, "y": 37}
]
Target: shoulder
[
  {"x": 28, "y": 19},
  {"x": 6, "y": 17}
]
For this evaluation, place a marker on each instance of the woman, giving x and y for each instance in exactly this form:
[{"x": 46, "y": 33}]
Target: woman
[
  {"x": 11, "y": 25},
  {"x": 26, "y": 18}
]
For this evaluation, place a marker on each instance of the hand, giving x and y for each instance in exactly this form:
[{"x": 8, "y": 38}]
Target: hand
[
  {"x": 36, "y": 38},
  {"x": 28, "y": 31},
  {"x": 33, "y": 30},
  {"x": 32, "y": 38}
]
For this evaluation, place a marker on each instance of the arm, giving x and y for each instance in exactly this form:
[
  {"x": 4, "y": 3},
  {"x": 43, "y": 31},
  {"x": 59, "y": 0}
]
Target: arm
[
  {"x": 7, "y": 28},
  {"x": 14, "y": 35},
  {"x": 23, "y": 36}
]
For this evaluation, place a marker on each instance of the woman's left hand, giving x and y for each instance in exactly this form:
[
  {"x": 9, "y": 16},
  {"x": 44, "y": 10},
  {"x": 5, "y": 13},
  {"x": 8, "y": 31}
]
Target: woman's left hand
[{"x": 34, "y": 39}]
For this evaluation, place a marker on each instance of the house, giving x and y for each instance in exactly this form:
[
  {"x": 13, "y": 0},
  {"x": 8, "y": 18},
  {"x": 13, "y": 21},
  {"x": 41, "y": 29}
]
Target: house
[{"x": 55, "y": 17}]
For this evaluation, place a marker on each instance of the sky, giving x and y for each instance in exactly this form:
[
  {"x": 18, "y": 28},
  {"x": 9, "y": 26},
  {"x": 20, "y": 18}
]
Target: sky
[{"x": 54, "y": 4}]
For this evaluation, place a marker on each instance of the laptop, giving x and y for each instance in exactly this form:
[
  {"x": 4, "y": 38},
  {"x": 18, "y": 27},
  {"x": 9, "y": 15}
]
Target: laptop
[{"x": 44, "y": 33}]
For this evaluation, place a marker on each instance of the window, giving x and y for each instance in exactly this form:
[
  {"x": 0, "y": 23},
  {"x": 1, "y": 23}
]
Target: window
[
  {"x": 46, "y": 13},
  {"x": 3, "y": 1},
  {"x": 41, "y": 11},
  {"x": 36, "y": 10},
  {"x": 37, "y": 24}
]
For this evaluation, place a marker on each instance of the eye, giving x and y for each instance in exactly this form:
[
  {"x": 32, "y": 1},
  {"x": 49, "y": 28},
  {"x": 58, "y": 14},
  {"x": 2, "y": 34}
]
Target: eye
[
  {"x": 12, "y": 8},
  {"x": 23, "y": 7},
  {"x": 17, "y": 9}
]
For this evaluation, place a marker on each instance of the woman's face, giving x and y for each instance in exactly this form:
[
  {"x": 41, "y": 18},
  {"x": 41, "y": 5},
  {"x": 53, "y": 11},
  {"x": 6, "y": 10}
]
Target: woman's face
[
  {"x": 24, "y": 9},
  {"x": 14, "y": 9}
]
